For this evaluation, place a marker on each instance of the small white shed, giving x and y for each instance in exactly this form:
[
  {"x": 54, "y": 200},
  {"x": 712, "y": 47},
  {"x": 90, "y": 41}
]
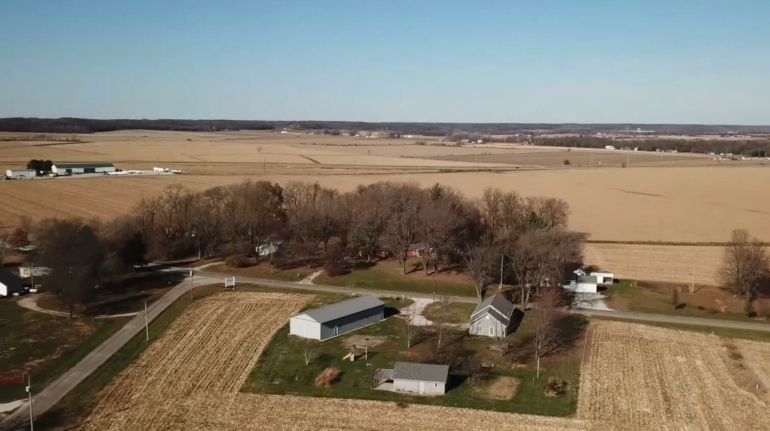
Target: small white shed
[{"x": 604, "y": 277}]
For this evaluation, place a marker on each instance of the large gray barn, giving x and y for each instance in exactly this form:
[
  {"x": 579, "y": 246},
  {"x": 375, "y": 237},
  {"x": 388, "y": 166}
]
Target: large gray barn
[
  {"x": 82, "y": 168},
  {"x": 335, "y": 319}
]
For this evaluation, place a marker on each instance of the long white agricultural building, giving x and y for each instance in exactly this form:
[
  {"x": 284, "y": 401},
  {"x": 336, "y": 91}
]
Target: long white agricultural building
[{"x": 335, "y": 319}]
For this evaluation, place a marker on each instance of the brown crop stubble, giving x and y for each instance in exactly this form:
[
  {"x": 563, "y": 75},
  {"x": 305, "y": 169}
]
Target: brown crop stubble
[
  {"x": 189, "y": 380},
  {"x": 643, "y": 377}
]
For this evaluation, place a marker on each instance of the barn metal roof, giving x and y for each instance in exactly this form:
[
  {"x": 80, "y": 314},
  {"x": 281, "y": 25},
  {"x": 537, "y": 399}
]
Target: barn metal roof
[
  {"x": 421, "y": 372},
  {"x": 83, "y": 165},
  {"x": 344, "y": 308}
]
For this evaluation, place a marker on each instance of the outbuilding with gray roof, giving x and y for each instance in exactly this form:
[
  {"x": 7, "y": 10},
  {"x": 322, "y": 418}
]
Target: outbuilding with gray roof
[
  {"x": 420, "y": 378},
  {"x": 335, "y": 319}
]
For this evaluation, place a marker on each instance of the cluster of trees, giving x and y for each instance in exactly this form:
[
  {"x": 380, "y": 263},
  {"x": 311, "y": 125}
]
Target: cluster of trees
[
  {"x": 501, "y": 237},
  {"x": 85, "y": 125},
  {"x": 745, "y": 268},
  {"x": 752, "y": 148},
  {"x": 40, "y": 166},
  {"x": 83, "y": 256}
]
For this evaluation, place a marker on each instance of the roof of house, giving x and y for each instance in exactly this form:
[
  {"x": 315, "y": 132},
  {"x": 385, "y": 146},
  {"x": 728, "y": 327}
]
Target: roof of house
[
  {"x": 342, "y": 309},
  {"x": 496, "y": 306},
  {"x": 587, "y": 279},
  {"x": 421, "y": 372},
  {"x": 22, "y": 170},
  {"x": 83, "y": 165},
  {"x": 10, "y": 280}
]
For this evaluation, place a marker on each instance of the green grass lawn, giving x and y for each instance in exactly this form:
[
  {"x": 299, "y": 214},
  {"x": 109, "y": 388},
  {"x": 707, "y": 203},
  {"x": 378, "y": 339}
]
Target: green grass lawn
[
  {"x": 632, "y": 296},
  {"x": 282, "y": 370},
  {"x": 44, "y": 345},
  {"x": 455, "y": 312},
  {"x": 262, "y": 270},
  {"x": 376, "y": 278}
]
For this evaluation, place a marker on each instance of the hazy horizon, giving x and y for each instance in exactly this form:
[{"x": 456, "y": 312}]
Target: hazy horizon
[{"x": 655, "y": 62}]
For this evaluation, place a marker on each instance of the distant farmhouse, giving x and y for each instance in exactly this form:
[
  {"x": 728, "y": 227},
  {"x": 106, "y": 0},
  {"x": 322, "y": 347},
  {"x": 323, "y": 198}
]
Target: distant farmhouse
[
  {"x": 327, "y": 322},
  {"x": 82, "y": 168},
  {"x": 493, "y": 317}
]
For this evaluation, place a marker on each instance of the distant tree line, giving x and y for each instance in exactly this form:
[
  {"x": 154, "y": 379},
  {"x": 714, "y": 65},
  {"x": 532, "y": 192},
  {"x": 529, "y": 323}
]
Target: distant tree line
[
  {"x": 85, "y": 125},
  {"x": 753, "y": 148}
]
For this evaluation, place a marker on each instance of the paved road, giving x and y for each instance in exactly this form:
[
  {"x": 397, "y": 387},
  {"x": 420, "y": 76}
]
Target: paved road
[
  {"x": 626, "y": 315},
  {"x": 334, "y": 289},
  {"x": 661, "y": 318},
  {"x": 30, "y": 303},
  {"x": 55, "y": 391}
]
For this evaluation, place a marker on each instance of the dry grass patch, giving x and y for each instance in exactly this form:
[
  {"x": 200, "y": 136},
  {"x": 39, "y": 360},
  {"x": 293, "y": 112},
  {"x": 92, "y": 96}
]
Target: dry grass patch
[{"x": 503, "y": 388}]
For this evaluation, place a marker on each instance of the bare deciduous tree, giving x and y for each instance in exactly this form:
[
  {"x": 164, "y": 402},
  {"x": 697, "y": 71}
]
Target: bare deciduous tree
[
  {"x": 744, "y": 266},
  {"x": 408, "y": 326},
  {"x": 402, "y": 224},
  {"x": 308, "y": 351},
  {"x": 546, "y": 314}
]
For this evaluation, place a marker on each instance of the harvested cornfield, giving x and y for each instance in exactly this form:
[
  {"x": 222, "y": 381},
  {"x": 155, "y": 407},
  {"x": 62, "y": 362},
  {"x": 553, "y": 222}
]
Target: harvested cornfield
[
  {"x": 666, "y": 263},
  {"x": 208, "y": 350},
  {"x": 189, "y": 380},
  {"x": 643, "y": 378}
]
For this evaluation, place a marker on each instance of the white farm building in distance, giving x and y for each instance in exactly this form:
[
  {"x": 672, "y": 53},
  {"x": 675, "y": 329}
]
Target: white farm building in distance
[
  {"x": 82, "y": 168},
  {"x": 20, "y": 173},
  {"x": 335, "y": 319}
]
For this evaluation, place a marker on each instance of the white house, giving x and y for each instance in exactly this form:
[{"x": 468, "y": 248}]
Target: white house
[
  {"x": 20, "y": 173},
  {"x": 492, "y": 317},
  {"x": 38, "y": 271},
  {"x": 10, "y": 284},
  {"x": 604, "y": 277},
  {"x": 267, "y": 248},
  {"x": 583, "y": 284}
]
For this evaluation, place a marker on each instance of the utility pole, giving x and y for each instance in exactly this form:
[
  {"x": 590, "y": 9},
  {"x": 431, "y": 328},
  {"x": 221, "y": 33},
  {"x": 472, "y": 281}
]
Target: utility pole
[
  {"x": 264, "y": 165},
  {"x": 146, "y": 323},
  {"x": 29, "y": 391},
  {"x": 502, "y": 259},
  {"x": 628, "y": 159},
  {"x": 192, "y": 284}
]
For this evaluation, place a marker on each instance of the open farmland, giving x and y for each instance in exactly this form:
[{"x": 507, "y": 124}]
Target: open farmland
[
  {"x": 642, "y": 377},
  {"x": 189, "y": 379},
  {"x": 667, "y": 263}
]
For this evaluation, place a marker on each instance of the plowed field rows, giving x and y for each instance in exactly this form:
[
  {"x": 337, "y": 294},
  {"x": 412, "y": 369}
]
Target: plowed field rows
[
  {"x": 667, "y": 263},
  {"x": 647, "y": 378}
]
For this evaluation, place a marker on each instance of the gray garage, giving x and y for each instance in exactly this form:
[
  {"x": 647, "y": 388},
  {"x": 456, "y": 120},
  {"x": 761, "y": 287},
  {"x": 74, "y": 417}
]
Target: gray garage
[
  {"x": 336, "y": 319},
  {"x": 420, "y": 378},
  {"x": 82, "y": 168}
]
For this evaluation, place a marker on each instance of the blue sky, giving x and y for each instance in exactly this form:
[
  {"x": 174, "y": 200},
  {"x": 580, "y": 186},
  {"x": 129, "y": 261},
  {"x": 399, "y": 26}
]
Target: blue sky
[{"x": 698, "y": 61}]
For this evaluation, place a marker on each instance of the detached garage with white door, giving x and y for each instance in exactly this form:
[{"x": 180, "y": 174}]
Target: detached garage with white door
[{"x": 335, "y": 319}]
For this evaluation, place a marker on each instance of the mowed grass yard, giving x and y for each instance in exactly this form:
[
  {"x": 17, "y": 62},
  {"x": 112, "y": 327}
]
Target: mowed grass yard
[
  {"x": 387, "y": 275},
  {"x": 706, "y": 301},
  {"x": 281, "y": 369},
  {"x": 43, "y": 345}
]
